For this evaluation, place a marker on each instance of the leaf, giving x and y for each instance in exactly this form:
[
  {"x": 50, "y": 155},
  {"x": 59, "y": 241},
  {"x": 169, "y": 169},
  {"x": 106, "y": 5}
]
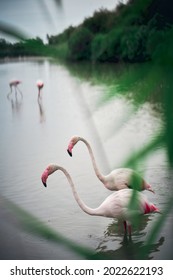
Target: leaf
[{"x": 12, "y": 31}]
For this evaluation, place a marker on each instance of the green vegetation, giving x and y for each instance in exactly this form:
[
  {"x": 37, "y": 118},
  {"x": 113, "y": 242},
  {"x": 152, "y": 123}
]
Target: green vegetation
[
  {"x": 27, "y": 47},
  {"x": 135, "y": 32},
  {"x": 130, "y": 33}
]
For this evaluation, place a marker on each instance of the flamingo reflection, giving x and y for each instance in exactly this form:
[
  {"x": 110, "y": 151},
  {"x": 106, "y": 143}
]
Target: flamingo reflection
[
  {"x": 119, "y": 245},
  {"x": 41, "y": 109}
]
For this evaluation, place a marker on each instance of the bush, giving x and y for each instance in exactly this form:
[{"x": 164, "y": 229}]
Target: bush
[
  {"x": 160, "y": 45},
  {"x": 62, "y": 37},
  {"x": 113, "y": 45},
  {"x": 98, "y": 23},
  {"x": 98, "y": 48},
  {"x": 133, "y": 44},
  {"x": 80, "y": 44}
]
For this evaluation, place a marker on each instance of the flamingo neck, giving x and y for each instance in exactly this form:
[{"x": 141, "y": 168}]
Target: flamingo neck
[
  {"x": 100, "y": 176},
  {"x": 82, "y": 205}
]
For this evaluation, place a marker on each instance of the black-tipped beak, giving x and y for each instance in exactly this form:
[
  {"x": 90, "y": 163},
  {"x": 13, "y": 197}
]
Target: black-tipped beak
[
  {"x": 151, "y": 190},
  {"x": 70, "y": 153},
  {"x": 44, "y": 184}
]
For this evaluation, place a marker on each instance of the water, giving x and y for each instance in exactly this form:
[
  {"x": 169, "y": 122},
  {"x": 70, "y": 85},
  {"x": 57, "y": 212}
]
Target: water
[{"x": 36, "y": 132}]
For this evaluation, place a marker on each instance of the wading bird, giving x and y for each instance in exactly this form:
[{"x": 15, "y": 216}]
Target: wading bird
[
  {"x": 14, "y": 84},
  {"x": 124, "y": 205},
  {"x": 119, "y": 178},
  {"x": 40, "y": 85}
]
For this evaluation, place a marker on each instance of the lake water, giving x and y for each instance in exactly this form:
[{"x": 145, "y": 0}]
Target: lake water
[{"x": 36, "y": 132}]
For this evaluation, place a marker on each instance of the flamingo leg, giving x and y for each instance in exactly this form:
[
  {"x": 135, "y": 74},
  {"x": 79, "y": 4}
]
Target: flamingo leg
[
  {"x": 19, "y": 91},
  {"x": 15, "y": 91},
  {"x": 125, "y": 226},
  {"x": 129, "y": 230},
  {"x": 8, "y": 95},
  {"x": 39, "y": 93}
]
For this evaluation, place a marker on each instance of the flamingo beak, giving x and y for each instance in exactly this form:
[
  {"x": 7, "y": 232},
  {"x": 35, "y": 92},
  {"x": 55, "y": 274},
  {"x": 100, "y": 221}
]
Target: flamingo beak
[
  {"x": 44, "y": 177},
  {"x": 158, "y": 211},
  {"x": 44, "y": 183},
  {"x": 69, "y": 152},
  {"x": 151, "y": 190},
  {"x": 70, "y": 148}
]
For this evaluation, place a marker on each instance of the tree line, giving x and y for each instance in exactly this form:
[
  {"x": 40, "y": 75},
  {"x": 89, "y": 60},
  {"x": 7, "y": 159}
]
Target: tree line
[{"x": 134, "y": 32}]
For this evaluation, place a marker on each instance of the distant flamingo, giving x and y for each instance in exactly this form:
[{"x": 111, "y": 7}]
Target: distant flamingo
[
  {"x": 120, "y": 205},
  {"x": 40, "y": 85},
  {"x": 14, "y": 84},
  {"x": 118, "y": 179}
]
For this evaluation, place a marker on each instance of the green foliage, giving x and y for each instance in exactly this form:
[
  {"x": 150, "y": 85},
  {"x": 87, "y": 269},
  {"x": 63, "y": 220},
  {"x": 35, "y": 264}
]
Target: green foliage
[
  {"x": 12, "y": 31},
  {"x": 60, "y": 38},
  {"x": 60, "y": 51},
  {"x": 133, "y": 44},
  {"x": 33, "y": 225},
  {"x": 107, "y": 47},
  {"x": 129, "y": 33},
  {"x": 162, "y": 53},
  {"x": 156, "y": 228},
  {"x": 5, "y": 48},
  {"x": 23, "y": 48},
  {"x": 98, "y": 48},
  {"x": 80, "y": 44},
  {"x": 99, "y": 22},
  {"x": 134, "y": 32}
]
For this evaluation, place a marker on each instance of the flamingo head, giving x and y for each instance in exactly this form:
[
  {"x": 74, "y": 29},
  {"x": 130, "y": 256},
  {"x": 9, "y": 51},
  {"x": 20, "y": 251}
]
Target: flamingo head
[
  {"x": 40, "y": 84},
  {"x": 49, "y": 170},
  {"x": 149, "y": 208},
  {"x": 71, "y": 144},
  {"x": 14, "y": 82}
]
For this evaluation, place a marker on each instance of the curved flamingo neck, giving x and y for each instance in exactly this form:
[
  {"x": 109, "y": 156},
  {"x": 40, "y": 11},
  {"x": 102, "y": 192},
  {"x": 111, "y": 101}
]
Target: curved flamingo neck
[
  {"x": 100, "y": 176},
  {"x": 83, "y": 206}
]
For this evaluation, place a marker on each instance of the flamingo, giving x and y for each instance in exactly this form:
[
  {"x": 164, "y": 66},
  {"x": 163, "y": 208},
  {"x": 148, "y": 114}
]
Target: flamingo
[
  {"x": 14, "y": 84},
  {"x": 119, "y": 178},
  {"x": 120, "y": 205},
  {"x": 40, "y": 85}
]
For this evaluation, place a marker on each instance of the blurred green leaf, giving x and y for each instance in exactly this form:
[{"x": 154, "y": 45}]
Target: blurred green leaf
[
  {"x": 147, "y": 150},
  {"x": 158, "y": 224},
  {"x": 33, "y": 225},
  {"x": 12, "y": 31}
]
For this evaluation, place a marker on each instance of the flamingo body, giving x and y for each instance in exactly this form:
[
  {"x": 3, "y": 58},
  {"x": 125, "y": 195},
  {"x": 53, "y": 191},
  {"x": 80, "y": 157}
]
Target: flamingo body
[
  {"x": 14, "y": 83},
  {"x": 123, "y": 205},
  {"x": 122, "y": 178},
  {"x": 118, "y": 179}
]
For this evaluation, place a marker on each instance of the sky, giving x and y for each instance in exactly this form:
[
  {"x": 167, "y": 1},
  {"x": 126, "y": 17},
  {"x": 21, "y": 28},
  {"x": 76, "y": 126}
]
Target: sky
[{"x": 42, "y": 17}]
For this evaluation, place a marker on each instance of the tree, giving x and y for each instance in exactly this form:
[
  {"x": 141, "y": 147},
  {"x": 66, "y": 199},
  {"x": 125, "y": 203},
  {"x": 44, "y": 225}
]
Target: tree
[{"x": 80, "y": 44}]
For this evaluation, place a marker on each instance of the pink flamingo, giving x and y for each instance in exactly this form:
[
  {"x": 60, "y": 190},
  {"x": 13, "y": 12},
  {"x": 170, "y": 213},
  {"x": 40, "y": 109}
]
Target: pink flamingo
[
  {"x": 119, "y": 178},
  {"x": 40, "y": 85},
  {"x": 120, "y": 205},
  {"x": 14, "y": 84}
]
